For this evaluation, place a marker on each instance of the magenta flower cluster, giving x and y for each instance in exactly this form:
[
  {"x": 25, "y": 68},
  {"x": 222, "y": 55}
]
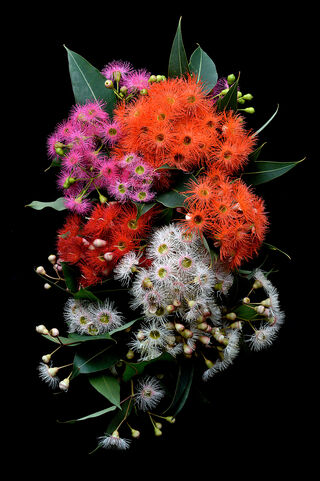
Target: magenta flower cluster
[
  {"x": 134, "y": 80},
  {"x": 83, "y": 144}
]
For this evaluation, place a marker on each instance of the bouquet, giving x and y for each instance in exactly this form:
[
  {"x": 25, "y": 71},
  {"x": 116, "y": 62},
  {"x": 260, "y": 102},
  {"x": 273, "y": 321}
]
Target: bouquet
[{"x": 157, "y": 177}]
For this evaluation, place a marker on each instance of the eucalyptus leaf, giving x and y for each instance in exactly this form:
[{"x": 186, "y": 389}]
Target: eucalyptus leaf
[
  {"x": 183, "y": 386},
  {"x": 204, "y": 69},
  {"x": 178, "y": 63},
  {"x": 230, "y": 100},
  {"x": 85, "y": 294},
  {"x": 88, "y": 83},
  {"x": 87, "y": 361},
  {"x": 143, "y": 208},
  {"x": 256, "y": 153},
  {"x": 135, "y": 369},
  {"x": 108, "y": 386},
  {"x": 273, "y": 248},
  {"x": 267, "y": 123},
  {"x": 246, "y": 312},
  {"x": 56, "y": 204},
  {"x": 175, "y": 197},
  {"x": 90, "y": 416},
  {"x": 263, "y": 171},
  {"x": 70, "y": 276}
]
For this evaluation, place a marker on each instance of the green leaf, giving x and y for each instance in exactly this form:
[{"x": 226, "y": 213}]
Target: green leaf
[
  {"x": 246, "y": 312},
  {"x": 174, "y": 198},
  {"x": 135, "y": 369},
  {"x": 57, "y": 161},
  {"x": 88, "y": 83},
  {"x": 108, "y": 386},
  {"x": 70, "y": 276},
  {"x": 213, "y": 254},
  {"x": 268, "y": 122},
  {"x": 204, "y": 69},
  {"x": 84, "y": 338},
  {"x": 143, "y": 208},
  {"x": 263, "y": 171},
  {"x": 183, "y": 386},
  {"x": 66, "y": 341},
  {"x": 56, "y": 204},
  {"x": 229, "y": 101},
  {"x": 256, "y": 153},
  {"x": 178, "y": 63},
  {"x": 119, "y": 416},
  {"x": 90, "y": 416},
  {"x": 88, "y": 360},
  {"x": 86, "y": 294},
  {"x": 273, "y": 248}
]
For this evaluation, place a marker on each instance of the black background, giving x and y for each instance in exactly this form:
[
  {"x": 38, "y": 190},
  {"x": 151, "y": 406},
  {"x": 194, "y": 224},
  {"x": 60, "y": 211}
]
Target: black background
[{"x": 261, "y": 416}]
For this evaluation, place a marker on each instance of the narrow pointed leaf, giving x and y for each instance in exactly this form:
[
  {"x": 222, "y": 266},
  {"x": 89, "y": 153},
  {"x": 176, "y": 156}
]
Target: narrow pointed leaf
[
  {"x": 90, "y": 416},
  {"x": 175, "y": 197},
  {"x": 256, "y": 153},
  {"x": 204, "y": 69},
  {"x": 183, "y": 386},
  {"x": 178, "y": 63},
  {"x": 88, "y": 83},
  {"x": 229, "y": 101},
  {"x": 56, "y": 204},
  {"x": 70, "y": 276},
  {"x": 108, "y": 386},
  {"x": 274, "y": 248},
  {"x": 264, "y": 171},
  {"x": 267, "y": 123}
]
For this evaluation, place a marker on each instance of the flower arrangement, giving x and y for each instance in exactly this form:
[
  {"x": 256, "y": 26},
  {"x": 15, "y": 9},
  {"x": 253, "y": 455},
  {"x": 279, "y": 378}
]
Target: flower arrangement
[{"x": 157, "y": 179}]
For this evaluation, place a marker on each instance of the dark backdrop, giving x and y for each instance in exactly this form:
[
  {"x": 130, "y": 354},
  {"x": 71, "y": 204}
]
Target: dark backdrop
[{"x": 260, "y": 412}]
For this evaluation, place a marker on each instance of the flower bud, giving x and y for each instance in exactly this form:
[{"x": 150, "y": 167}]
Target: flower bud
[
  {"x": 232, "y": 316},
  {"x": 259, "y": 309},
  {"x": 116, "y": 76},
  {"x": 52, "y": 258},
  {"x": 143, "y": 92},
  {"x": 152, "y": 79},
  {"x": 54, "y": 332},
  {"x": 241, "y": 101},
  {"x": 246, "y": 300},
  {"x": 41, "y": 270},
  {"x": 158, "y": 425},
  {"x": 187, "y": 350},
  {"x": 247, "y": 97},
  {"x": 257, "y": 284},
  {"x": 135, "y": 433},
  {"x": 41, "y": 329},
  {"x": 108, "y": 256},
  {"x": 108, "y": 84},
  {"x": 47, "y": 286},
  {"x": 179, "y": 327},
  {"x": 64, "y": 384},
  {"x": 236, "y": 325},
  {"x": 59, "y": 151},
  {"x": 209, "y": 363},
  {"x": 147, "y": 284},
  {"x": 102, "y": 199},
  {"x": 249, "y": 110},
  {"x": 46, "y": 358},
  {"x": 99, "y": 243},
  {"x": 157, "y": 432},
  {"x": 266, "y": 302},
  {"x": 202, "y": 326},
  {"x": 187, "y": 334},
  {"x": 224, "y": 92},
  {"x": 159, "y": 78},
  {"x": 53, "y": 371},
  {"x": 204, "y": 340},
  {"x": 176, "y": 303},
  {"x": 170, "y": 308},
  {"x": 231, "y": 79},
  {"x": 130, "y": 355},
  {"x": 170, "y": 419}
]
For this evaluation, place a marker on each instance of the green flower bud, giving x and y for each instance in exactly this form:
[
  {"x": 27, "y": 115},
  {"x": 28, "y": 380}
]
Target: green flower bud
[
  {"x": 108, "y": 84},
  {"x": 143, "y": 92},
  {"x": 159, "y": 78},
  {"x": 59, "y": 151},
  {"x": 152, "y": 79},
  {"x": 248, "y": 110},
  {"x": 247, "y": 97},
  {"x": 102, "y": 199},
  {"x": 117, "y": 76},
  {"x": 231, "y": 79},
  {"x": 224, "y": 92},
  {"x": 241, "y": 101}
]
